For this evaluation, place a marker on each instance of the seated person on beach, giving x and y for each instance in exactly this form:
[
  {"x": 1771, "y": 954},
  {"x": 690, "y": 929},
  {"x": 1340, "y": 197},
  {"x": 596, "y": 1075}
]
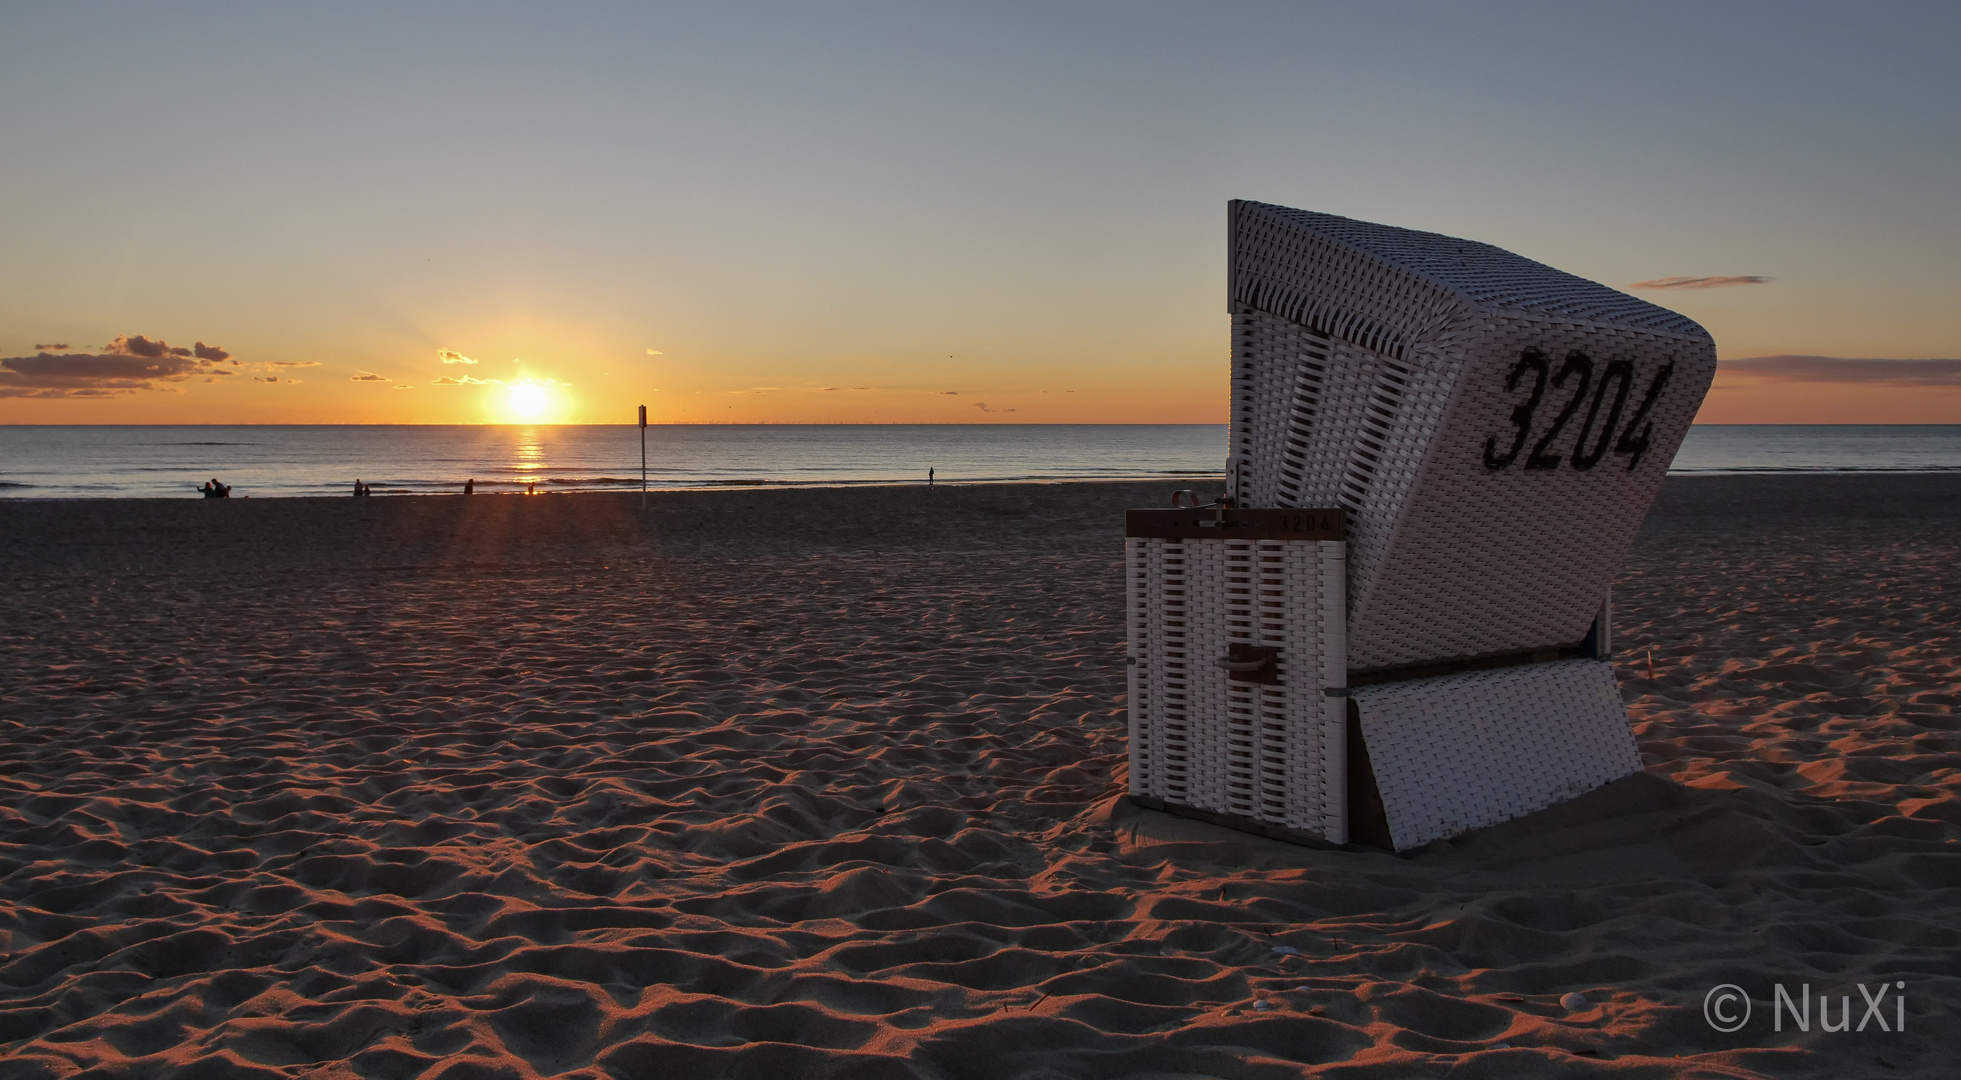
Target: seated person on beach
[{"x": 215, "y": 490}]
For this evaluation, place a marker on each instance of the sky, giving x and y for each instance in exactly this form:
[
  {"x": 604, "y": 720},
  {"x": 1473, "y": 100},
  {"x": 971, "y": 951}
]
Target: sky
[{"x": 894, "y": 212}]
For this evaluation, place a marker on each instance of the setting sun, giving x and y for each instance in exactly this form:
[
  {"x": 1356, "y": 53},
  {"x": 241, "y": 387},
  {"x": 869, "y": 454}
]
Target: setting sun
[{"x": 531, "y": 402}]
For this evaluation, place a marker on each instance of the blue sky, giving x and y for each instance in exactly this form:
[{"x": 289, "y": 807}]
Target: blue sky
[{"x": 1024, "y": 203}]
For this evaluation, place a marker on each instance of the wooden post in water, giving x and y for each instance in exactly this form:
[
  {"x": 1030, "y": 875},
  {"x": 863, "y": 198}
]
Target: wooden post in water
[{"x": 643, "y": 457}]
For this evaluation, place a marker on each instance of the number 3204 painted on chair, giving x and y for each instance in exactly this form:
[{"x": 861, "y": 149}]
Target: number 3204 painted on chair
[{"x": 1597, "y": 431}]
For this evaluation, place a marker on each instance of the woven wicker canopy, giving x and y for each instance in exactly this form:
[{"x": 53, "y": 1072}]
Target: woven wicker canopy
[{"x": 1495, "y": 428}]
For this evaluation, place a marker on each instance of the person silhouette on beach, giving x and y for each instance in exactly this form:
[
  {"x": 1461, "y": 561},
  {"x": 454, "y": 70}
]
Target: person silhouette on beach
[
  {"x": 205, "y": 490},
  {"x": 929, "y": 478},
  {"x": 470, "y": 486},
  {"x": 532, "y": 489},
  {"x": 360, "y": 489},
  {"x": 215, "y": 490}
]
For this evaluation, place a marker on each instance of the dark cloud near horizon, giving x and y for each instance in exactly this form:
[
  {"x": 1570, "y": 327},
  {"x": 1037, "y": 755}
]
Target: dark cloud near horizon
[
  {"x": 1839, "y": 369},
  {"x": 49, "y": 348},
  {"x": 982, "y": 406},
  {"x": 139, "y": 345},
  {"x": 368, "y": 376},
  {"x": 126, "y": 365},
  {"x": 1701, "y": 282}
]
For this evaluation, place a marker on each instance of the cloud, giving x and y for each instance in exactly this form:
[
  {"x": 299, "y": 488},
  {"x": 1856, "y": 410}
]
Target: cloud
[
  {"x": 1700, "y": 282},
  {"x": 948, "y": 393},
  {"x": 292, "y": 363},
  {"x": 139, "y": 345},
  {"x": 982, "y": 406},
  {"x": 451, "y": 356},
  {"x": 445, "y": 380},
  {"x": 209, "y": 352},
  {"x": 655, "y": 352},
  {"x": 1837, "y": 369},
  {"x": 405, "y": 387},
  {"x": 827, "y": 389},
  {"x": 49, "y": 348},
  {"x": 368, "y": 376},
  {"x": 10, "y": 391},
  {"x": 124, "y": 366}
]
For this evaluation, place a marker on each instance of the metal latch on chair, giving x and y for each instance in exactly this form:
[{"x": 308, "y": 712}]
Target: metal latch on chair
[
  {"x": 1218, "y": 506},
  {"x": 1252, "y": 663}
]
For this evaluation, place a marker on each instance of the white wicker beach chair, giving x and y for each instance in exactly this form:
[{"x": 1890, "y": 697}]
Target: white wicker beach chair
[{"x": 1493, "y": 432}]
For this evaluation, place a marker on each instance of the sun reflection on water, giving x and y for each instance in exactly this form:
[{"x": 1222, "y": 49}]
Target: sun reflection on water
[{"x": 528, "y": 455}]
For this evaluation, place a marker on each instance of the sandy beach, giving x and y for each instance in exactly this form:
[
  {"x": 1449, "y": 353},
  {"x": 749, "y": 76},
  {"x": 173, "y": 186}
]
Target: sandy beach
[{"x": 827, "y": 783}]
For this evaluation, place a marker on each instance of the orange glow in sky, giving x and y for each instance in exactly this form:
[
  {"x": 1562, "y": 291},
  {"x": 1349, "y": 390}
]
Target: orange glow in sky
[{"x": 953, "y": 214}]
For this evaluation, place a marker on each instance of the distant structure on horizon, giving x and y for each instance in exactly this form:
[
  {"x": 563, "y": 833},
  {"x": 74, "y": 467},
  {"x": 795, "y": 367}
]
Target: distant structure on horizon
[{"x": 1440, "y": 454}]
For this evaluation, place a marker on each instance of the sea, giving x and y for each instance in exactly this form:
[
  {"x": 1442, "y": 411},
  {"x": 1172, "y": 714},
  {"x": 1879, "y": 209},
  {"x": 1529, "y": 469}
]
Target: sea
[{"x": 90, "y": 462}]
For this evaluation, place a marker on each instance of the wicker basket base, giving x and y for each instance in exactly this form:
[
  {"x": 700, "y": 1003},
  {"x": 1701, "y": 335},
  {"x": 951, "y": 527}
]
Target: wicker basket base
[{"x": 1461, "y": 752}]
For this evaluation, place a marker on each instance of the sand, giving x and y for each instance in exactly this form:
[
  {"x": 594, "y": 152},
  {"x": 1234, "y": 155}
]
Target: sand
[{"x": 827, "y": 784}]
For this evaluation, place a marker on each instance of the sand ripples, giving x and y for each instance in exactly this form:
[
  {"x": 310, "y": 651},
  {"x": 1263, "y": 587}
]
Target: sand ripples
[{"x": 854, "y": 815}]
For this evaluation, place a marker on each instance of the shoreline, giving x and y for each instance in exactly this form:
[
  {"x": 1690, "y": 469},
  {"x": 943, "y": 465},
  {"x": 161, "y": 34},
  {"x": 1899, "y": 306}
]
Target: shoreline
[{"x": 617, "y": 486}]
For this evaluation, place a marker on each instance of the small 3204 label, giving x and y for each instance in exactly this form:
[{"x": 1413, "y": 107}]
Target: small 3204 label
[
  {"x": 1305, "y": 521},
  {"x": 1605, "y": 393}
]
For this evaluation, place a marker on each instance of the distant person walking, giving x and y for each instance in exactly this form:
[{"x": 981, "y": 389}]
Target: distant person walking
[
  {"x": 470, "y": 486},
  {"x": 929, "y": 478}
]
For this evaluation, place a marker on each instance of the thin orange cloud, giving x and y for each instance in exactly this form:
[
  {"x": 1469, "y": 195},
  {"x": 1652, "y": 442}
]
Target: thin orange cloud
[
  {"x": 1700, "y": 282},
  {"x": 1839, "y": 369}
]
